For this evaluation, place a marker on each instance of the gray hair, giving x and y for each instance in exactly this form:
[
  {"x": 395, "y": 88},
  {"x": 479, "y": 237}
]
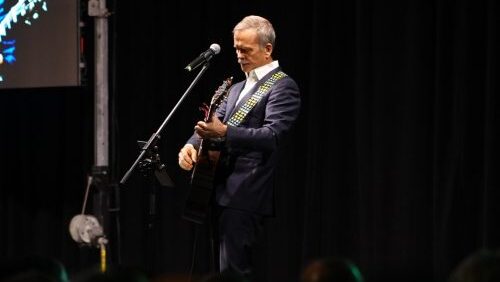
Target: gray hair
[{"x": 264, "y": 28}]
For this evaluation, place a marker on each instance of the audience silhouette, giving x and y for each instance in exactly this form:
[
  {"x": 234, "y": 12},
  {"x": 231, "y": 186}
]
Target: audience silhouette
[
  {"x": 480, "y": 266},
  {"x": 34, "y": 268},
  {"x": 331, "y": 269}
]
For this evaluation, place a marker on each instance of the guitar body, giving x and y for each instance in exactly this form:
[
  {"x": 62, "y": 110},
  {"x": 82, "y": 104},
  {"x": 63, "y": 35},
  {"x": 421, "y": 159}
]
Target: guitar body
[
  {"x": 202, "y": 179},
  {"x": 198, "y": 202}
]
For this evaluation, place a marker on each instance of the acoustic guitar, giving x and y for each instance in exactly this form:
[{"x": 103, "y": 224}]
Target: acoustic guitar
[{"x": 198, "y": 200}]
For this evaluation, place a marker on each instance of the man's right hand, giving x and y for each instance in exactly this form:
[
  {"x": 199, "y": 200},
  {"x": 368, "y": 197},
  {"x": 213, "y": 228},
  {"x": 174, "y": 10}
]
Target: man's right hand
[{"x": 187, "y": 157}]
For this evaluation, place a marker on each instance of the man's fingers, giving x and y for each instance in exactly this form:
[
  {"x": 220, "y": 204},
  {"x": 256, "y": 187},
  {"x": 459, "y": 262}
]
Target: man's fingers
[
  {"x": 187, "y": 156},
  {"x": 184, "y": 165},
  {"x": 193, "y": 154}
]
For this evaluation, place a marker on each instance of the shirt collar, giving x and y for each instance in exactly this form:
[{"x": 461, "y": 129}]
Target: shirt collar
[{"x": 261, "y": 71}]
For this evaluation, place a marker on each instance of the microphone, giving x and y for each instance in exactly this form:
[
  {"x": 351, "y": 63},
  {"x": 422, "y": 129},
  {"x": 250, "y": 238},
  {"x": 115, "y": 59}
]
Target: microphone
[{"x": 204, "y": 57}]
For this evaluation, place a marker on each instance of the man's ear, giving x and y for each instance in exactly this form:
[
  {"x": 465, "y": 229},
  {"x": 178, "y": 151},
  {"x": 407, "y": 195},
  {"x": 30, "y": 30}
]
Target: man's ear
[{"x": 269, "y": 49}]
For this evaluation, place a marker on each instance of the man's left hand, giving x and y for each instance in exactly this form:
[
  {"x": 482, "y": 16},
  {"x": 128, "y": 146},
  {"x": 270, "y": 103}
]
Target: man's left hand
[{"x": 212, "y": 129}]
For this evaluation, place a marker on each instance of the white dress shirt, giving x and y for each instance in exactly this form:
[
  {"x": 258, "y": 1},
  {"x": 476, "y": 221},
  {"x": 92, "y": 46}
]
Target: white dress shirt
[{"x": 254, "y": 76}]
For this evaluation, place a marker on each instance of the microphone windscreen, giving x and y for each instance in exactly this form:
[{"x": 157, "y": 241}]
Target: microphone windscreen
[{"x": 215, "y": 47}]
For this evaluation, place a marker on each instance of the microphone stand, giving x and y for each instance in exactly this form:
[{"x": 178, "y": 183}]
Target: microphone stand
[
  {"x": 148, "y": 163},
  {"x": 149, "y": 167},
  {"x": 151, "y": 143}
]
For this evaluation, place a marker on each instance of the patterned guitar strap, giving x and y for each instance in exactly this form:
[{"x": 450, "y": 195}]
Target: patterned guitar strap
[{"x": 244, "y": 109}]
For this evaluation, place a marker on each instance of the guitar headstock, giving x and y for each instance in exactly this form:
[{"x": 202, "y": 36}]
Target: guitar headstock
[
  {"x": 217, "y": 98},
  {"x": 221, "y": 92}
]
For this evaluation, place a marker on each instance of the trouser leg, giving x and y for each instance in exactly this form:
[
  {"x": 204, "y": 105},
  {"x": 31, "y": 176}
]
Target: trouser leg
[{"x": 238, "y": 231}]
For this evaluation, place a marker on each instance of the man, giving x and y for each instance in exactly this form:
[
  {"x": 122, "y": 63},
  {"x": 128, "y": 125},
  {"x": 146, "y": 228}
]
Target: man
[{"x": 251, "y": 123}]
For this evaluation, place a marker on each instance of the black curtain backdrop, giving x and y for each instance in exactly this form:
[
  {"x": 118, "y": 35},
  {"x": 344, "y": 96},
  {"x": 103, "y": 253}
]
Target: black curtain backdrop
[{"x": 393, "y": 162}]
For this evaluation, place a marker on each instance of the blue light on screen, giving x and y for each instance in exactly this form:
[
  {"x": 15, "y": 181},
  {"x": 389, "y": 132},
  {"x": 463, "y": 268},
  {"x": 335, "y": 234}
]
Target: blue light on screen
[{"x": 11, "y": 17}]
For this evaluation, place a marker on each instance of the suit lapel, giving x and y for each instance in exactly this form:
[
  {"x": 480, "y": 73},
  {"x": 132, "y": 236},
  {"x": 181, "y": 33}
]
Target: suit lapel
[{"x": 231, "y": 100}]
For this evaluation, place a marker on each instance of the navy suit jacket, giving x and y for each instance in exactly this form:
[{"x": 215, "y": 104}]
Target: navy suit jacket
[{"x": 249, "y": 153}]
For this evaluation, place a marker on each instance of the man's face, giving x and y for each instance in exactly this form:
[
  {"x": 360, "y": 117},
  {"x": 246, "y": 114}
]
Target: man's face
[{"x": 248, "y": 50}]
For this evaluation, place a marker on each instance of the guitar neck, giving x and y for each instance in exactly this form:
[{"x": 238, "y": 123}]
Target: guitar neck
[{"x": 210, "y": 113}]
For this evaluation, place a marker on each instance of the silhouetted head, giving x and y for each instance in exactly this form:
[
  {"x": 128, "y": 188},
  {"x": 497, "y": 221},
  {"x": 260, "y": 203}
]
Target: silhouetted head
[
  {"x": 481, "y": 266},
  {"x": 225, "y": 276},
  {"x": 331, "y": 270},
  {"x": 34, "y": 268}
]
